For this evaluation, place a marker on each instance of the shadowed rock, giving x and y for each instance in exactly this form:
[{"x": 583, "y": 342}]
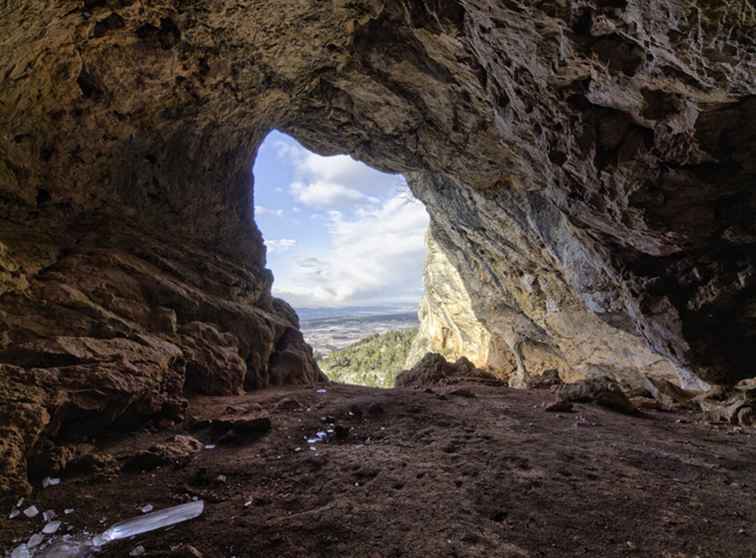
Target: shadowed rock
[{"x": 434, "y": 369}]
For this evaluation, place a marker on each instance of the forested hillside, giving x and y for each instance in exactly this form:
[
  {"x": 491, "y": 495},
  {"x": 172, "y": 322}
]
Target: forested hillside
[{"x": 374, "y": 361}]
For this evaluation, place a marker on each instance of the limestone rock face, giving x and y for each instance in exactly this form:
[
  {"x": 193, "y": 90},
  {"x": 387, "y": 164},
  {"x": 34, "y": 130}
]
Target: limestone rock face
[
  {"x": 499, "y": 306},
  {"x": 448, "y": 323},
  {"x": 588, "y": 166}
]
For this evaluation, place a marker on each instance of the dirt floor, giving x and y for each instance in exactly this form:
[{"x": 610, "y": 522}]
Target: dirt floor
[{"x": 465, "y": 470}]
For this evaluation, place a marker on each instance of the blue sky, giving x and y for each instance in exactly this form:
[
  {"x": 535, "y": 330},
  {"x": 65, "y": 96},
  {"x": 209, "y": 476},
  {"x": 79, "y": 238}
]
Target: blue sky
[{"x": 338, "y": 232}]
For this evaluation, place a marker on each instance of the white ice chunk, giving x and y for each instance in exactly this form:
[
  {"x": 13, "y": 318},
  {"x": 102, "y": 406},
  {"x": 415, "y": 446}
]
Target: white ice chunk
[
  {"x": 48, "y": 481},
  {"x": 31, "y": 511},
  {"x": 21, "y": 551},
  {"x": 138, "y": 551},
  {"x": 147, "y": 508}
]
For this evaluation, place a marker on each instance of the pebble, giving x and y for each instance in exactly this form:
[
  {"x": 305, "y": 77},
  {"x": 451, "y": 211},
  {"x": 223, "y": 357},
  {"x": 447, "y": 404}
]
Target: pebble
[
  {"x": 35, "y": 540},
  {"x": 138, "y": 551},
  {"x": 51, "y": 528}
]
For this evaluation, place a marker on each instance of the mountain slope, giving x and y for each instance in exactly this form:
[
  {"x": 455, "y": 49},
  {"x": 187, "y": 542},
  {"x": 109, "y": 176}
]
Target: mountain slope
[{"x": 374, "y": 361}]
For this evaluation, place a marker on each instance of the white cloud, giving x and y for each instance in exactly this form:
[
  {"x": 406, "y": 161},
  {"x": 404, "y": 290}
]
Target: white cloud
[
  {"x": 336, "y": 181},
  {"x": 328, "y": 194},
  {"x": 376, "y": 255},
  {"x": 281, "y": 245},
  {"x": 261, "y": 210}
]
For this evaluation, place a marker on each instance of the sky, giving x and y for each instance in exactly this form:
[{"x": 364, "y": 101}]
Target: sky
[{"x": 338, "y": 232}]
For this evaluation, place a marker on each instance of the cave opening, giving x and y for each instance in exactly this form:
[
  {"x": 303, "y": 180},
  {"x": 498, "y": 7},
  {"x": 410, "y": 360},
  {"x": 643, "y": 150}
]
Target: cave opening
[{"x": 346, "y": 244}]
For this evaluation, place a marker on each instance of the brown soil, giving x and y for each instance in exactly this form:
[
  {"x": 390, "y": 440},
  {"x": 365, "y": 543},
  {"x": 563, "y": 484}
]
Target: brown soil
[{"x": 466, "y": 470}]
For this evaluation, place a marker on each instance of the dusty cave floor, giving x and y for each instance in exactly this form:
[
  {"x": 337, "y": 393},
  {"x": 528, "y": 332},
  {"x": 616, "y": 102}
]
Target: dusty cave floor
[{"x": 479, "y": 472}]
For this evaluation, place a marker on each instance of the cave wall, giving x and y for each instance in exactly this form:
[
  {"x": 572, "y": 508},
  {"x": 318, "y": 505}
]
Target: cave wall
[
  {"x": 503, "y": 296},
  {"x": 615, "y": 136}
]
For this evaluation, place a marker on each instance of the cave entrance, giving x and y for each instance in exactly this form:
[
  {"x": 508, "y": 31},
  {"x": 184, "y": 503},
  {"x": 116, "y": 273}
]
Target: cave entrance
[{"x": 346, "y": 246}]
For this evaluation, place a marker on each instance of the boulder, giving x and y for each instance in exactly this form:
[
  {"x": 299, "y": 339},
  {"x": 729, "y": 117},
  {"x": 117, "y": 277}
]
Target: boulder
[
  {"x": 602, "y": 391},
  {"x": 435, "y": 369}
]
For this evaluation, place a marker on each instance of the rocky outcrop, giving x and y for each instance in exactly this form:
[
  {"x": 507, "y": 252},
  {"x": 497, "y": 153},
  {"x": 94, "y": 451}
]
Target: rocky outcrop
[
  {"x": 588, "y": 167},
  {"x": 434, "y": 369},
  {"x": 115, "y": 326},
  {"x": 448, "y": 323}
]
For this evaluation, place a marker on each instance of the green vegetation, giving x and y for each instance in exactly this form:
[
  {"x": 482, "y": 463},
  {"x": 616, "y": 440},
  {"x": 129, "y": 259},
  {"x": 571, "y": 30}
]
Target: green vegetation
[{"x": 374, "y": 361}]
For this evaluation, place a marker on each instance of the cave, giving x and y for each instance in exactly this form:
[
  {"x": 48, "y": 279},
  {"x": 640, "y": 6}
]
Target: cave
[{"x": 588, "y": 168}]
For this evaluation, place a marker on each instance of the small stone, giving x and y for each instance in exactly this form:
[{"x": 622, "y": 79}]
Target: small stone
[
  {"x": 138, "y": 551},
  {"x": 321, "y": 390},
  {"x": 31, "y": 511},
  {"x": 14, "y": 514},
  {"x": 48, "y": 481},
  {"x": 51, "y": 528},
  {"x": 68, "y": 511},
  {"x": 35, "y": 540},
  {"x": 221, "y": 479},
  {"x": 147, "y": 508}
]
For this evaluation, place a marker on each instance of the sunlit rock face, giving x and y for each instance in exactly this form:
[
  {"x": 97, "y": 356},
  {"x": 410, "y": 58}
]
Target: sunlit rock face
[
  {"x": 613, "y": 139},
  {"x": 495, "y": 296},
  {"x": 449, "y": 324}
]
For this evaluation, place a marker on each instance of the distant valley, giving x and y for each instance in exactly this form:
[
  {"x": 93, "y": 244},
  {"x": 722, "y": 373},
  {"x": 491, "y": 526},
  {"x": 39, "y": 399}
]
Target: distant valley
[{"x": 332, "y": 329}]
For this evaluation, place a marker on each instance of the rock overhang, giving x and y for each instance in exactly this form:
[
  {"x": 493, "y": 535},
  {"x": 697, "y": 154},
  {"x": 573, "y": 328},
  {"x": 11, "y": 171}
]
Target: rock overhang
[{"x": 595, "y": 157}]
